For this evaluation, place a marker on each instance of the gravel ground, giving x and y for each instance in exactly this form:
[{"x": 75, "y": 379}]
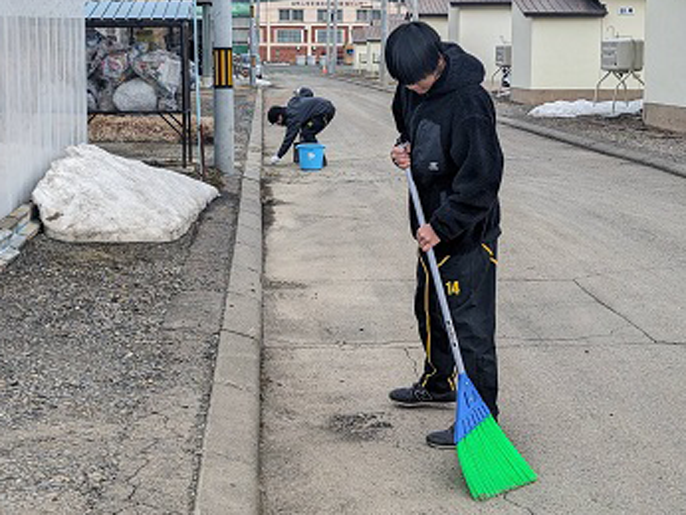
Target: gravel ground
[
  {"x": 626, "y": 131},
  {"x": 106, "y": 360}
]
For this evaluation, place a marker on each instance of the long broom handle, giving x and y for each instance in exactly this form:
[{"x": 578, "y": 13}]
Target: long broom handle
[{"x": 438, "y": 282}]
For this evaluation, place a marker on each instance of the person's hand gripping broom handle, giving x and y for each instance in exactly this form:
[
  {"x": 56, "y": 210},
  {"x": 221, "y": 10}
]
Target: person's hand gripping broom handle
[{"x": 438, "y": 282}]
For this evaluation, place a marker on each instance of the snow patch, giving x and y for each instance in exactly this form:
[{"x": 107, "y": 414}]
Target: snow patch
[
  {"x": 94, "y": 196},
  {"x": 564, "y": 109}
]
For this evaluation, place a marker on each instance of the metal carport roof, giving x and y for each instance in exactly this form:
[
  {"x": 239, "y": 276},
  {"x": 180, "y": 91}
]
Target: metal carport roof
[{"x": 111, "y": 11}]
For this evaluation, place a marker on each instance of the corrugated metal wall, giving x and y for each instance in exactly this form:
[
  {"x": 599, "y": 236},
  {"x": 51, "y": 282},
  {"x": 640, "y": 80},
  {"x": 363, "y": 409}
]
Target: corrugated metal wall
[{"x": 42, "y": 90}]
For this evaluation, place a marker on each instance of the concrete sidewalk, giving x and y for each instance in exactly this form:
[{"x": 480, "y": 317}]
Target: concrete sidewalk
[{"x": 229, "y": 473}]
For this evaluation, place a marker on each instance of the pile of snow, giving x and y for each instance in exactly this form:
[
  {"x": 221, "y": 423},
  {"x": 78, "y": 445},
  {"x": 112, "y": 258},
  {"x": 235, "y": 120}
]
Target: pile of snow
[
  {"x": 94, "y": 196},
  {"x": 564, "y": 109},
  {"x": 262, "y": 83}
]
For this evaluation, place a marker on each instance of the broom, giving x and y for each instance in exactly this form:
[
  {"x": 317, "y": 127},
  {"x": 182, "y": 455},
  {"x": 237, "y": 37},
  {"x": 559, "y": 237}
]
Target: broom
[{"x": 490, "y": 463}]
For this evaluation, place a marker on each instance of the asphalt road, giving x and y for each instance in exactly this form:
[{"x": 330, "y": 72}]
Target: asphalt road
[{"x": 591, "y": 329}]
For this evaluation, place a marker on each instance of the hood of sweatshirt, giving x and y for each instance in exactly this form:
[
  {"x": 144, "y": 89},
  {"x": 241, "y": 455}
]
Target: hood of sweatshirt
[{"x": 461, "y": 70}]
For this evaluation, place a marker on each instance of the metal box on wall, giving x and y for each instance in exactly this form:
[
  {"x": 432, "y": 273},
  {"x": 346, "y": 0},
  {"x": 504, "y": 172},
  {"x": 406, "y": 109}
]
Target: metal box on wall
[
  {"x": 622, "y": 55},
  {"x": 503, "y": 55}
]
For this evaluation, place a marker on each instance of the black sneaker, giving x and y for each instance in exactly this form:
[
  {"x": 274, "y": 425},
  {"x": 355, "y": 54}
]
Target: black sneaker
[
  {"x": 417, "y": 395},
  {"x": 442, "y": 439}
]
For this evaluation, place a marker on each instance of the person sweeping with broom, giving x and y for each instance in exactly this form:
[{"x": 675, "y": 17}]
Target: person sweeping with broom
[
  {"x": 449, "y": 149},
  {"x": 447, "y": 131}
]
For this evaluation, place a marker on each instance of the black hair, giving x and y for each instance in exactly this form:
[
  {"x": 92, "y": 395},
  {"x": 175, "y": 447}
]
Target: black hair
[
  {"x": 413, "y": 51},
  {"x": 274, "y": 113}
]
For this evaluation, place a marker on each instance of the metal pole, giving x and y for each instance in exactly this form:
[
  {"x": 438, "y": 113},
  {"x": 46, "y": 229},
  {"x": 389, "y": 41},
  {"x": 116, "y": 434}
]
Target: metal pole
[
  {"x": 334, "y": 39},
  {"x": 415, "y": 10},
  {"x": 328, "y": 36},
  {"x": 206, "y": 45},
  {"x": 223, "y": 87},
  {"x": 196, "y": 60},
  {"x": 253, "y": 50},
  {"x": 384, "y": 36},
  {"x": 258, "y": 31}
]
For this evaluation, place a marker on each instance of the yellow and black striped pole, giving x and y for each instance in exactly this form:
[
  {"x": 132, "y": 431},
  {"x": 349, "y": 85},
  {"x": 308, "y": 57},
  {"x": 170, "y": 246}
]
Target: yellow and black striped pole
[
  {"x": 223, "y": 68},
  {"x": 223, "y": 87}
]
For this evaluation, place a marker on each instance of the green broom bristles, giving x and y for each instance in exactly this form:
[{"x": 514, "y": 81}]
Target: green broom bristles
[{"x": 490, "y": 463}]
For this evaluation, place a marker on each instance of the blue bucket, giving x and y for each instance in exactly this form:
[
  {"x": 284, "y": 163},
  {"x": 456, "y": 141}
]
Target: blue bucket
[{"x": 311, "y": 156}]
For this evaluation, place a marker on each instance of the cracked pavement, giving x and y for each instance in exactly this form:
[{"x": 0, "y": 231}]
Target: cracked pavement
[{"x": 592, "y": 293}]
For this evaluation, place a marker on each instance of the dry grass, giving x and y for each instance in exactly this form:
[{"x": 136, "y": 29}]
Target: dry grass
[{"x": 140, "y": 129}]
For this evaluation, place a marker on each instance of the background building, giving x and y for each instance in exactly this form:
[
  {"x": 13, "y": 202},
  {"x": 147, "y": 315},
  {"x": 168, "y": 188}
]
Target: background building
[
  {"x": 556, "y": 46},
  {"x": 293, "y": 30},
  {"x": 367, "y": 44},
  {"x": 42, "y": 91},
  {"x": 665, "y": 93},
  {"x": 435, "y": 13},
  {"x": 479, "y": 26}
]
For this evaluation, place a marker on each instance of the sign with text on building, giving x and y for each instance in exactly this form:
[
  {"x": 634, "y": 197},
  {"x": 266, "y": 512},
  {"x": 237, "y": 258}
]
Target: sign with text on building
[{"x": 324, "y": 3}]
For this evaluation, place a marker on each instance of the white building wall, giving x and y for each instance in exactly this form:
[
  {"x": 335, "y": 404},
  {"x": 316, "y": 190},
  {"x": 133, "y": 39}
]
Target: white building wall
[
  {"x": 665, "y": 65},
  {"x": 521, "y": 50},
  {"x": 479, "y": 30},
  {"x": 625, "y": 18},
  {"x": 665, "y": 59},
  {"x": 565, "y": 53},
  {"x": 438, "y": 23},
  {"x": 454, "y": 23},
  {"x": 42, "y": 91},
  {"x": 373, "y": 56},
  {"x": 360, "y": 62}
]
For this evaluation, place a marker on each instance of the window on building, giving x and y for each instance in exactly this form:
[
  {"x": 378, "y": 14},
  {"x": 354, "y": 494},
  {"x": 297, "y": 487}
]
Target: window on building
[
  {"x": 291, "y": 15},
  {"x": 321, "y": 15},
  {"x": 289, "y": 36},
  {"x": 321, "y": 36},
  {"x": 368, "y": 15}
]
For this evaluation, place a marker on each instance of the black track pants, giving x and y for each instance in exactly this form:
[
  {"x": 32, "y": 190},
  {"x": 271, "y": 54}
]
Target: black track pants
[
  {"x": 469, "y": 281},
  {"x": 315, "y": 125},
  {"x": 309, "y": 131}
]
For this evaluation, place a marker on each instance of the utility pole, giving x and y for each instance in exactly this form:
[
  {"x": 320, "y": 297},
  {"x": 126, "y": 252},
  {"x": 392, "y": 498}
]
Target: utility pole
[
  {"x": 415, "y": 10},
  {"x": 334, "y": 38},
  {"x": 253, "y": 47},
  {"x": 206, "y": 45},
  {"x": 384, "y": 37},
  {"x": 223, "y": 87},
  {"x": 258, "y": 30},
  {"x": 329, "y": 21}
]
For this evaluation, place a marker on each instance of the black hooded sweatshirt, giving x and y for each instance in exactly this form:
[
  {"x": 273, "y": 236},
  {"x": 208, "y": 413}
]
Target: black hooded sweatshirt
[
  {"x": 457, "y": 162},
  {"x": 299, "y": 110}
]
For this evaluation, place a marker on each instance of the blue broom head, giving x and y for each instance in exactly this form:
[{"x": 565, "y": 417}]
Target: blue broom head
[{"x": 471, "y": 409}]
